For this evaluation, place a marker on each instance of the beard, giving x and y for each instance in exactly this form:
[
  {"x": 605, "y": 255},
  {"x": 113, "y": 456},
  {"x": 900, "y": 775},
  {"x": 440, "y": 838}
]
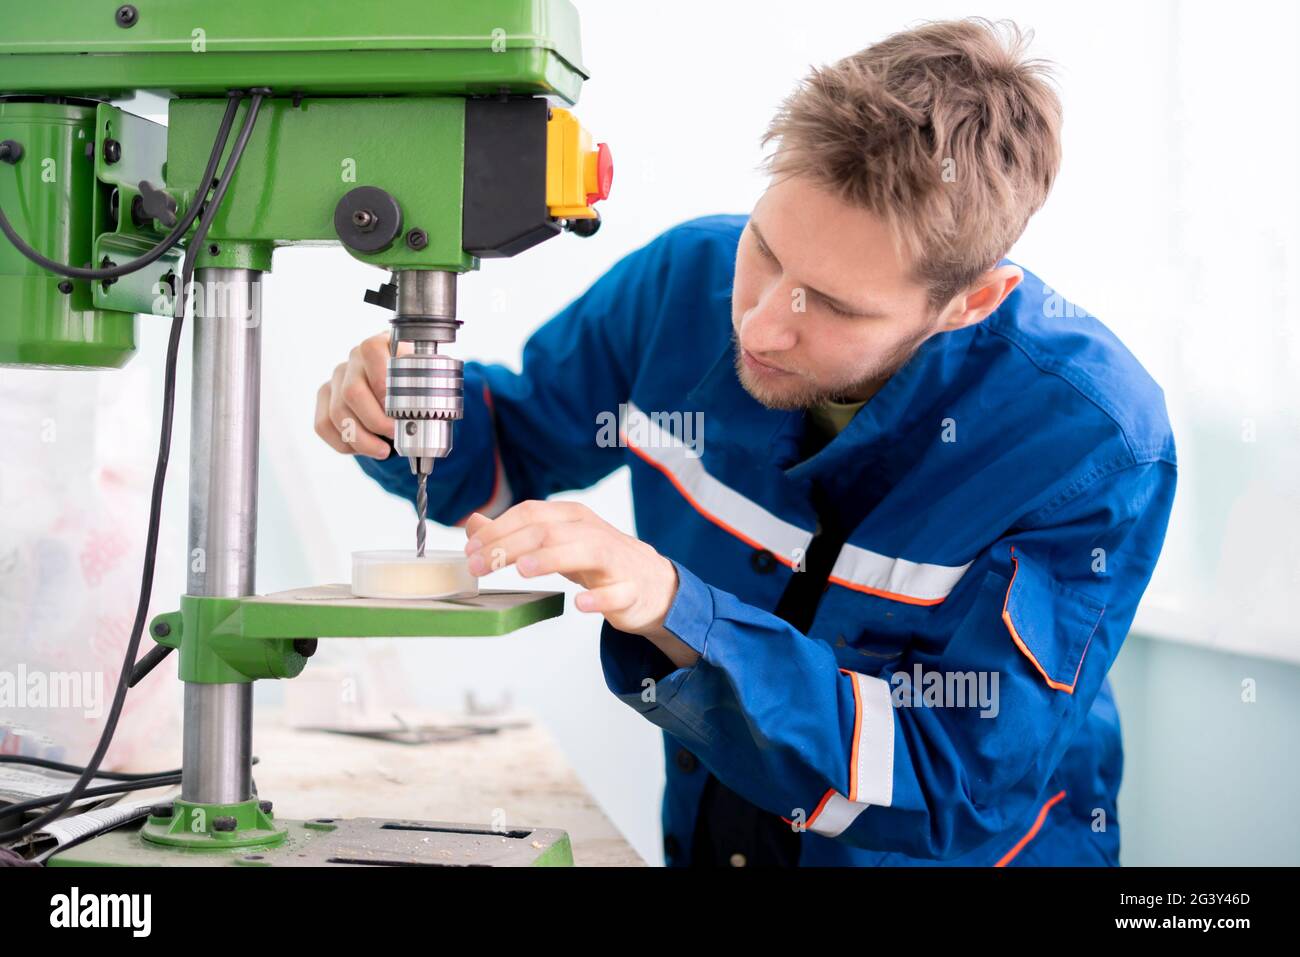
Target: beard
[{"x": 799, "y": 391}]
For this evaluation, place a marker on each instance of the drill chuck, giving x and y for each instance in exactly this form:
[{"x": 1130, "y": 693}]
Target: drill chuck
[
  {"x": 426, "y": 394},
  {"x": 426, "y": 391}
]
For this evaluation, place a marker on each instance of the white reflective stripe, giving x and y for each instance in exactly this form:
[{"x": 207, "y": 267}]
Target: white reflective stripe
[
  {"x": 855, "y": 567},
  {"x": 873, "y": 742},
  {"x": 836, "y": 816},
  {"x": 895, "y": 577},
  {"x": 871, "y": 767},
  {"x": 502, "y": 498},
  {"x": 720, "y": 503}
]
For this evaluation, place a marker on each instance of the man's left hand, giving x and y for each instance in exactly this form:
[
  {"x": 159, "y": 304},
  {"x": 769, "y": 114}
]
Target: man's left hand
[{"x": 625, "y": 579}]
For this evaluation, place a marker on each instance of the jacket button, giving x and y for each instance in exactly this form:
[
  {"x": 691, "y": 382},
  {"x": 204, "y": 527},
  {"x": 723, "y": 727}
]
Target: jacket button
[
  {"x": 762, "y": 561},
  {"x": 672, "y": 848},
  {"x": 686, "y": 761},
  {"x": 738, "y": 860}
]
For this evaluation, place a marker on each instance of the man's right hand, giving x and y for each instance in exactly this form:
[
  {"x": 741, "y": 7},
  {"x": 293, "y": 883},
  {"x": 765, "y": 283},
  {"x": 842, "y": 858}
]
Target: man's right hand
[{"x": 350, "y": 406}]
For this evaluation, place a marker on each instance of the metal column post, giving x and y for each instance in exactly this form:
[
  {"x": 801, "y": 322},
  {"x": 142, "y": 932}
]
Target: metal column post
[{"x": 218, "y": 737}]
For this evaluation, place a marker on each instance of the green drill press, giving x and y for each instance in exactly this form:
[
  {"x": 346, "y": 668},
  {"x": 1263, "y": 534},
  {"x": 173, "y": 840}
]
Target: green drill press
[{"x": 423, "y": 136}]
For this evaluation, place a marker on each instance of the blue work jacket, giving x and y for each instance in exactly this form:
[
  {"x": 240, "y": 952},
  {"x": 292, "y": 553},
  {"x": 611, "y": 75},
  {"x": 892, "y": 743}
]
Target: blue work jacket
[{"x": 948, "y": 703}]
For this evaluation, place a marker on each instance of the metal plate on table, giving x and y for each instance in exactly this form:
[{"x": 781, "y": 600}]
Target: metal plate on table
[{"x": 343, "y": 842}]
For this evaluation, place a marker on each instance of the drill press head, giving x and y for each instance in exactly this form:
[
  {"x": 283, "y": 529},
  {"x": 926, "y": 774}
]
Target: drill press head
[{"x": 529, "y": 172}]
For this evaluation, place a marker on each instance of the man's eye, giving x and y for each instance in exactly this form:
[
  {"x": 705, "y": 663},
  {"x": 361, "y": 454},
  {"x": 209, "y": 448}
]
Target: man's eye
[{"x": 837, "y": 311}]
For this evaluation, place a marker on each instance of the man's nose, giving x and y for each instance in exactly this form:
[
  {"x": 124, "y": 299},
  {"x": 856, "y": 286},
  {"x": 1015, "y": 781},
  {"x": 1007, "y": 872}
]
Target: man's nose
[{"x": 772, "y": 324}]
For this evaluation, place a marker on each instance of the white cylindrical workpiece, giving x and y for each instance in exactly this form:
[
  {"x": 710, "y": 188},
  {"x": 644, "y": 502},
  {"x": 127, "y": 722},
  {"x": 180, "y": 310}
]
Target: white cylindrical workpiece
[{"x": 400, "y": 574}]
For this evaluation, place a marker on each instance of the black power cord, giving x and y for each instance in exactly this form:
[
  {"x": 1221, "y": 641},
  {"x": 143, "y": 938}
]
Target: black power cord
[
  {"x": 35, "y": 762},
  {"x": 159, "y": 479},
  {"x": 7, "y": 150},
  {"x": 121, "y": 787},
  {"x": 159, "y": 779},
  {"x": 77, "y": 768}
]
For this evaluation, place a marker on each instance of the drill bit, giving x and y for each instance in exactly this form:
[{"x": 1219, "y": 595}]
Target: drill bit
[{"x": 421, "y": 508}]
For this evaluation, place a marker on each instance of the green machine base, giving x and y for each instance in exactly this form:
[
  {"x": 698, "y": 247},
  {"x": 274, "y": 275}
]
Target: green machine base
[{"x": 339, "y": 842}]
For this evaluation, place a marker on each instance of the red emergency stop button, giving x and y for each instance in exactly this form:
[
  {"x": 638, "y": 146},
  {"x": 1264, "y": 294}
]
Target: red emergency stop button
[{"x": 604, "y": 177}]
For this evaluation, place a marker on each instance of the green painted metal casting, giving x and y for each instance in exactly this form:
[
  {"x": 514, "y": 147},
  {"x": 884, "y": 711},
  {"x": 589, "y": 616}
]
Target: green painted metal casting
[
  {"x": 303, "y": 158},
  {"x": 236, "y": 640},
  {"x": 194, "y": 826},
  {"x": 50, "y": 196},
  {"x": 196, "y": 47},
  {"x": 139, "y": 153}
]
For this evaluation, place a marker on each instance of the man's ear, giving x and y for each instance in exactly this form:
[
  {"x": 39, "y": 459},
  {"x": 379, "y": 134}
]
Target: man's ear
[{"x": 980, "y": 300}]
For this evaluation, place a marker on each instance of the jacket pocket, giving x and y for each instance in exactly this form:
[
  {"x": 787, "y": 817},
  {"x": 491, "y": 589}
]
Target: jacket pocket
[{"x": 1051, "y": 624}]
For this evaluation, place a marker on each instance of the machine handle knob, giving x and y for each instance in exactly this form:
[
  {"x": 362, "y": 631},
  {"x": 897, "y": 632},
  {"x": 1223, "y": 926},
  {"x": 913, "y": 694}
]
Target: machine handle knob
[
  {"x": 157, "y": 204},
  {"x": 385, "y": 296},
  {"x": 585, "y": 228}
]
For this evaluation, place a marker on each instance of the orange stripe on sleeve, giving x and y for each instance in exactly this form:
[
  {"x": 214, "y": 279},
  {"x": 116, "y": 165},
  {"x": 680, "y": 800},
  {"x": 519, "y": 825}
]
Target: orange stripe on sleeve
[{"x": 857, "y": 734}]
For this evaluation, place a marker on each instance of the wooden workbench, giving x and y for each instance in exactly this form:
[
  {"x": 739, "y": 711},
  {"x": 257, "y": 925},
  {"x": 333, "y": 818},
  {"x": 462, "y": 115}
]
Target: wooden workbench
[{"x": 516, "y": 776}]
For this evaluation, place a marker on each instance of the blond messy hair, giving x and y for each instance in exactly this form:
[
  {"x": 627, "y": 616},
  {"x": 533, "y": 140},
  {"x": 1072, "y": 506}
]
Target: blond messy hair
[{"x": 947, "y": 132}]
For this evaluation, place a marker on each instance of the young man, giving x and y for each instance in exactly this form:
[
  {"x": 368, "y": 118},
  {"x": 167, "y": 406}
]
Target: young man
[{"x": 874, "y": 602}]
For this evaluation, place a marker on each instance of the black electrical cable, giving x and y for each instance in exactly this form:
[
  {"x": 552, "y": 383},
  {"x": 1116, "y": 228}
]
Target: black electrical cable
[
  {"x": 141, "y": 669},
  {"x": 143, "y": 811},
  {"x": 159, "y": 478},
  {"x": 121, "y": 787},
  {"x": 77, "y": 768},
  {"x": 167, "y": 243}
]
